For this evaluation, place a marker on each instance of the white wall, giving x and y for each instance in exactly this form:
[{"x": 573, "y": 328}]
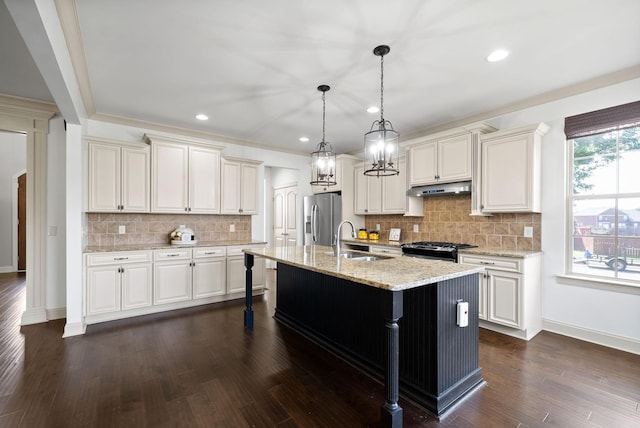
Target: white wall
[
  {"x": 602, "y": 316},
  {"x": 13, "y": 160}
]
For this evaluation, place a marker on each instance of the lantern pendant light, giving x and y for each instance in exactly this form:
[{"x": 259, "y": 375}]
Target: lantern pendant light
[
  {"x": 323, "y": 160},
  {"x": 381, "y": 142}
]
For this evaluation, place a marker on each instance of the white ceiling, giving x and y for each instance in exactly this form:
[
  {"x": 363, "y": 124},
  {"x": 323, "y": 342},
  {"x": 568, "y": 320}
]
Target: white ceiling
[{"x": 253, "y": 66}]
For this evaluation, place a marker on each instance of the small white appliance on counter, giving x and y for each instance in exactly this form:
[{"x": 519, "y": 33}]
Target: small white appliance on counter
[{"x": 182, "y": 236}]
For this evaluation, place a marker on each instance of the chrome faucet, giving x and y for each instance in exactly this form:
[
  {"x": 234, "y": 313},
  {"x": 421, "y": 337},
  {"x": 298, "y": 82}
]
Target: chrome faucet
[{"x": 337, "y": 249}]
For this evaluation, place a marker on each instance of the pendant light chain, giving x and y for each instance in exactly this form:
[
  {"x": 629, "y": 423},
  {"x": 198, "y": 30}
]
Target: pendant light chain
[
  {"x": 381, "y": 88},
  {"x": 323, "y": 115}
]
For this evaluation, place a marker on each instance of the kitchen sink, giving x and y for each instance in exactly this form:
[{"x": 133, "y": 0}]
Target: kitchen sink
[{"x": 361, "y": 257}]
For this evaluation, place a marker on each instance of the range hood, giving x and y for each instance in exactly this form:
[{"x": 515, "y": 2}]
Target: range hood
[{"x": 459, "y": 188}]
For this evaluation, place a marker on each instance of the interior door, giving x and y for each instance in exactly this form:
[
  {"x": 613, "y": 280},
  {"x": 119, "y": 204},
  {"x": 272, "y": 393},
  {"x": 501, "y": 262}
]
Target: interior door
[
  {"x": 279, "y": 218},
  {"x": 285, "y": 206},
  {"x": 22, "y": 222}
]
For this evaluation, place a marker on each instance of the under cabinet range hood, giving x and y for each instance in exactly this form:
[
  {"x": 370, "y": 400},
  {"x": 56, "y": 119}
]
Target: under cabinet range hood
[{"x": 459, "y": 188}]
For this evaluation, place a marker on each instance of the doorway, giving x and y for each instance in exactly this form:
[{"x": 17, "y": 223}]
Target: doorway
[
  {"x": 285, "y": 207},
  {"x": 22, "y": 222}
]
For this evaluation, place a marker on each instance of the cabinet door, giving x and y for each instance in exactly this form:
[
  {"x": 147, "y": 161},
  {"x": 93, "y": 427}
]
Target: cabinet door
[
  {"x": 249, "y": 189},
  {"x": 394, "y": 191},
  {"x": 231, "y": 174},
  {"x": 169, "y": 181},
  {"x": 455, "y": 159},
  {"x": 423, "y": 164},
  {"x": 103, "y": 289},
  {"x": 361, "y": 200},
  {"x": 104, "y": 177},
  {"x": 236, "y": 274},
  {"x": 482, "y": 296},
  {"x": 136, "y": 286},
  {"x": 503, "y": 298},
  {"x": 135, "y": 179},
  {"x": 204, "y": 180},
  {"x": 506, "y": 174},
  {"x": 171, "y": 282},
  {"x": 209, "y": 276}
]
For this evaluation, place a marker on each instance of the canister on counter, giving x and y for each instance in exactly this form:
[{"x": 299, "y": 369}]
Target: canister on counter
[
  {"x": 362, "y": 234},
  {"x": 374, "y": 235}
]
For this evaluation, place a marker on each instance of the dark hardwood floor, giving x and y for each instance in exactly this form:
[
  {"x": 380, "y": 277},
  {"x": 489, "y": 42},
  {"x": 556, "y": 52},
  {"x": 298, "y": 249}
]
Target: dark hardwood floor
[{"x": 199, "y": 368}]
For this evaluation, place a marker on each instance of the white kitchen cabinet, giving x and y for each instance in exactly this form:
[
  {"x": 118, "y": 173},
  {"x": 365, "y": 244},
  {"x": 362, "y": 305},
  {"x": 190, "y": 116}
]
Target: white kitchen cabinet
[
  {"x": 443, "y": 160},
  {"x": 236, "y": 271},
  {"x": 209, "y": 271},
  {"x": 117, "y": 281},
  {"x": 185, "y": 176},
  {"x": 118, "y": 176},
  {"x": 510, "y": 293},
  {"x": 171, "y": 275},
  {"x": 385, "y": 195},
  {"x": 239, "y": 186},
  {"x": 511, "y": 169},
  {"x": 385, "y": 249},
  {"x": 368, "y": 193}
]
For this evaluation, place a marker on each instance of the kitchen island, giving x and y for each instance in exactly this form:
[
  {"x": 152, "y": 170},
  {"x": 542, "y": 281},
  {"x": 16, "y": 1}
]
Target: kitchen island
[{"x": 394, "y": 318}]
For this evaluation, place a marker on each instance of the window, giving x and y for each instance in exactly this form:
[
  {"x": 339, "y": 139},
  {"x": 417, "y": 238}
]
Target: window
[{"x": 605, "y": 197}]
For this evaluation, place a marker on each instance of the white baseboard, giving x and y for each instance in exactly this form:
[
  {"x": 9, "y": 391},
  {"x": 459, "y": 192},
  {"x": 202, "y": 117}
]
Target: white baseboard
[
  {"x": 33, "y": 316},
  {"x": 7, "y": 269},
  {"x": 74, "y": 329},
  {"x": 56, "y": 313},
  {"x": 622, "y": 343}
]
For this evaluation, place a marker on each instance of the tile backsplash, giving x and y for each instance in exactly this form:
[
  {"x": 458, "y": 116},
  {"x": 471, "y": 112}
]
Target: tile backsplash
[
  {"x": 447, "y": 219},
  {"x": 155, "y": 228}
]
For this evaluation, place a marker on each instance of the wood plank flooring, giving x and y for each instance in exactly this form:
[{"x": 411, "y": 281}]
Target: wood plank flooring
[{"x": 199, "y": 368}]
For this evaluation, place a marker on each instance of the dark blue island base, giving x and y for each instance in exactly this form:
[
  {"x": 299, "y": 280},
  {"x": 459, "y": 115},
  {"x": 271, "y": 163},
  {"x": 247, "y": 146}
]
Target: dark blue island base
[{"x": 407, "y": 339}]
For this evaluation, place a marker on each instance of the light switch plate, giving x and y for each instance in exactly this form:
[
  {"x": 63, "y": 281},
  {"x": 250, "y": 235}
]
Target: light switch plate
[{"x": 528, "y": 232}]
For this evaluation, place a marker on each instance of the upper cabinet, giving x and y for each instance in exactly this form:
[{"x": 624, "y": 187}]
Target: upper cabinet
[
  {"x": 441, "y": 161},
  {"x": 343, "y": 174},
  {"x": 445, "y": 157},
  {"x": 185, "y": 176},
  {"x": 385, "y": 195},
  {"x": 239, "y": 186},
  {"x": 510, "y": 169},
  {"x": 118, "y": 176}
]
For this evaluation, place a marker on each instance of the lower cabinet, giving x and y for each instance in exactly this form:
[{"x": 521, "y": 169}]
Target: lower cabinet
[
  {"x": 131, "y": 283},
  {"x": 236, "y": 270},
  {"x": 510, "y": 294},
  {"x": 117, "y": 281}
]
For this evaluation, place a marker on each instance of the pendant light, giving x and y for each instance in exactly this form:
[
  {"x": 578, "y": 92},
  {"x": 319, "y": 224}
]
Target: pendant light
[
  {"x": 323, "y": 160},
  {"x": 381, "y": 142}
]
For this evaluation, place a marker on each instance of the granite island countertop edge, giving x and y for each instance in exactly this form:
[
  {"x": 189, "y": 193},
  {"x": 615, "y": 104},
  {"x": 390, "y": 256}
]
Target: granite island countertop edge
[{"x": 394, "y": 273}]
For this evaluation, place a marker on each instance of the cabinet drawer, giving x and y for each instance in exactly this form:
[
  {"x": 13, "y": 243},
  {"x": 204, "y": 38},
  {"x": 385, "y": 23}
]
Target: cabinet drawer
[
  {"x": 501, "y": 263},
  {"x": 99, "y": 259},
  {"x": 172, "y": 254},
  {"x": 199, "y": 253},
  {"x": 385, "y": 250},
  {"x": 237, "y": 250}
]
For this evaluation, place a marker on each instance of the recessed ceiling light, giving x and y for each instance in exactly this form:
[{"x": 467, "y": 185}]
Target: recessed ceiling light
[
  {"x": 497, "y": 55},
  {"x": 202, "y": 116},
  {"x": 304, "y": 139},
  {"x": 373, "y": 109}
]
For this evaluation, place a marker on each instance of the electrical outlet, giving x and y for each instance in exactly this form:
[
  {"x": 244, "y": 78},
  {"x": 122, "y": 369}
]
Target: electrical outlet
[
  {"x": 416, "y": 228},
  {"x": 122, "y": 229},
  {"x": 528, "y": 232},
  {"x": 232, "y": 228},
  {"x": 377, "y": 226}
]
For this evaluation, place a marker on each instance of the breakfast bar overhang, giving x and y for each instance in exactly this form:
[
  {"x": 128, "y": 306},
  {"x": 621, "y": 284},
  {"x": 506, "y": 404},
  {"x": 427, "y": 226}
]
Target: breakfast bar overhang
[{"x": 394, "y": 318}]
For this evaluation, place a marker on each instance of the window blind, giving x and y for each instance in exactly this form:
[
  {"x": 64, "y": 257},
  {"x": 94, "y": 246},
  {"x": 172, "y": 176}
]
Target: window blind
[{"x": 601, "y": 121}]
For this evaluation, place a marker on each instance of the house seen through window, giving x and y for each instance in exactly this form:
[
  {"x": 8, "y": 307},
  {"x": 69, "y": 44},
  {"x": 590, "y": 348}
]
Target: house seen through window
[{"x": 605, "y": 197}]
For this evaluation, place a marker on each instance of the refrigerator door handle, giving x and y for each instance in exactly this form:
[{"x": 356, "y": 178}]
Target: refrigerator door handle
[{"x": 314, "y": 223}]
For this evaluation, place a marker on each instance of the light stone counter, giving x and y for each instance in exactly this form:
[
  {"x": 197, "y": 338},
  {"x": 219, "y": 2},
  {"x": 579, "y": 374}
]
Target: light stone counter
[
  {"x": 499, "y": 252},
  {"x": 142, "y": 247},
  {"x": 393, "y": 273}
]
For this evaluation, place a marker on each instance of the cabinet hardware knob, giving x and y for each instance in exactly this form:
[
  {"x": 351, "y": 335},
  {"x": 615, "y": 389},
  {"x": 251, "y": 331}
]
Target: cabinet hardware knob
[{"x": 186, "y": 209}]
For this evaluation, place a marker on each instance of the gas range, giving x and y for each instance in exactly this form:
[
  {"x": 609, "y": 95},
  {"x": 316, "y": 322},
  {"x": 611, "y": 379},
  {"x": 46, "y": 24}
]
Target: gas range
[{"x": 447, "y": 251}]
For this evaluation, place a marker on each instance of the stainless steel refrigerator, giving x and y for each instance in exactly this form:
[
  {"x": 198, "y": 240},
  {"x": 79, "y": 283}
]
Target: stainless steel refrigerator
[{"x": 322, "y": 215}]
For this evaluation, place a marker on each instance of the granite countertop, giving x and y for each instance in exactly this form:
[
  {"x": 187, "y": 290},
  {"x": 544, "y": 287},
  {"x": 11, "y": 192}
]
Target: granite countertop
[
  {"x": 381, "y": 241},
  {"x": 394, "y": 273},
  {"x": 487, "y": 251},
  {"x": 144, "y": 247}
]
